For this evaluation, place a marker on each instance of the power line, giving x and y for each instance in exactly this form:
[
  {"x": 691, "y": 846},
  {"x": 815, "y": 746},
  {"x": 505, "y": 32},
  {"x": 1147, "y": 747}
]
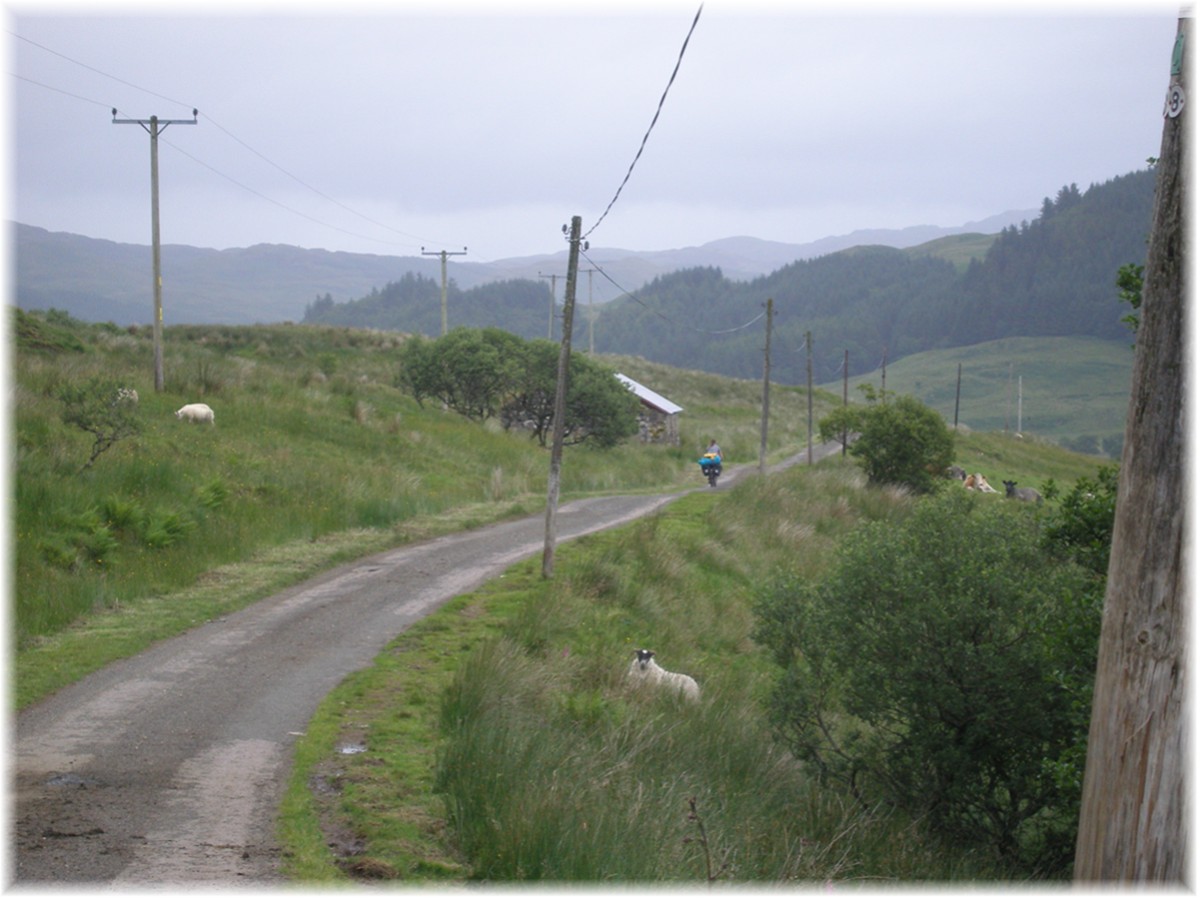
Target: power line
[
  {"x": 21, "y": 37},
  {"x": 653, "y": 122},
  {"x": 275, "y": 202},
  {"x": 61, "y": 91},
  {"x": 232, "y": 136},
  {"x": 638, "y": 300}
]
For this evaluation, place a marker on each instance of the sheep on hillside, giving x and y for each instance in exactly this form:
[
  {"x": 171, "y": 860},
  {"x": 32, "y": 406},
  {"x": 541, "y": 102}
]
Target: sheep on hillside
[
  {"x": 1029, "y": 495},
  {"x": 196, "y": 412},
  {"x": 645, "y": 670}
]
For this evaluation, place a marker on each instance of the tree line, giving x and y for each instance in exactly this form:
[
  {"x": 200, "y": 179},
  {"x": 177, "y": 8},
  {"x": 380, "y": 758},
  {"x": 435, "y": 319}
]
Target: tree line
[{"x": 1053, "y": 276}]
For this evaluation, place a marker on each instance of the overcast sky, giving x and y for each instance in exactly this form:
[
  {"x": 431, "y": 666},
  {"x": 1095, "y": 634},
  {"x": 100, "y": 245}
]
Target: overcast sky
[{"x": 388, "y": 128}]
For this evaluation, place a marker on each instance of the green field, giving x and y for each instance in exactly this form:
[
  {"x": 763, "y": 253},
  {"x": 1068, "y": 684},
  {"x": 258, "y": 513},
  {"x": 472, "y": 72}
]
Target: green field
[{"x": 1072, "y": 391}]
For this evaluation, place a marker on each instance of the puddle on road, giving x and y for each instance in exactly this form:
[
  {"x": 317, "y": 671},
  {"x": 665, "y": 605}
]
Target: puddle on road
[{"x": 70, "y": 780}]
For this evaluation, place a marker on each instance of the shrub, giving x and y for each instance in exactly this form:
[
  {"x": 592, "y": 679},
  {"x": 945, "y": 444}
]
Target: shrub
[
  {"x": 900, "y": 440},
  {"x": 1081, "y": 527},
  {"x": 941, "y": 666},
  {"x": 99, "y": 408}
]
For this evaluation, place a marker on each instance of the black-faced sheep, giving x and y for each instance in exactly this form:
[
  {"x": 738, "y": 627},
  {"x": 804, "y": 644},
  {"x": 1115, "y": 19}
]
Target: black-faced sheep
[
  {"x": 645, "y": 670},
  {"x": 1029, "y": 495}
]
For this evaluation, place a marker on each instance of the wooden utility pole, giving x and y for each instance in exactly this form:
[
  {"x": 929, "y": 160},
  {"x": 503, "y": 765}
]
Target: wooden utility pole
[
  {"x": 766, "y": 401},
  {"x": 1134, "y": 816},
  {"x": 808, "y": 345},
  {"x": 553, "y": 291},
  {"x": 560, "y": 400},
  {"x": 957, "y": 395},
  {"x": 154, "y": 126},
  {"x": 591, "y": 316},
  {"x": 845, "y": 392},
  {"x": 443, "y": 254},
  {"x": 1020, "y": 401}
]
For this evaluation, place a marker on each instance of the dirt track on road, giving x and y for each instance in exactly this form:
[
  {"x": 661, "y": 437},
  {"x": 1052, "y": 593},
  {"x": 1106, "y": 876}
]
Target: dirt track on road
[{"x": 166, "y": 769}]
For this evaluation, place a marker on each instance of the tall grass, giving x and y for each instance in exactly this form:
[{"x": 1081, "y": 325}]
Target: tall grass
[
  {"x": 312, "y": 438},
  {"x": 554, "y": 768}
]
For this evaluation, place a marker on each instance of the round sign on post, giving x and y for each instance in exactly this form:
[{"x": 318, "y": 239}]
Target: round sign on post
[{"x": 1175, "y": 100}]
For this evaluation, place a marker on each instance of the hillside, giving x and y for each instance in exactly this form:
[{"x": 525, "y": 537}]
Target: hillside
[
  {"x": 103, "y": 281},
  {"x": 1072, "y": 391},
  {"x": 1054, "y": 276}
]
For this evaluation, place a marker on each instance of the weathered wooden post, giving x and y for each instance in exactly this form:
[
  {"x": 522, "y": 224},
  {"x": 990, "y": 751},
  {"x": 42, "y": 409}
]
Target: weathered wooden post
[{"x": 1134, "y": 819}]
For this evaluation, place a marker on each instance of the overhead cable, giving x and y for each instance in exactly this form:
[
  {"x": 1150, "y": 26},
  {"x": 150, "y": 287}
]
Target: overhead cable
[
  {"x": 653, "y": 122},
  {"x": 230, "y": 134},
  {"x": 638, "y": 300}
]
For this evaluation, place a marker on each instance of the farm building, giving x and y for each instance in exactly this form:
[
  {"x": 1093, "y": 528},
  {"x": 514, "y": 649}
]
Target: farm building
[{"x": 658, "y": 422}]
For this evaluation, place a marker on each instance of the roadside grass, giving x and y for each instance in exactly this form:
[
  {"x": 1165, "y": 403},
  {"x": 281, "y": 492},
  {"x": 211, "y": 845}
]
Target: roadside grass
[
  {"x": 538, "y": 762},
  {"x": 316, "y": 457}
]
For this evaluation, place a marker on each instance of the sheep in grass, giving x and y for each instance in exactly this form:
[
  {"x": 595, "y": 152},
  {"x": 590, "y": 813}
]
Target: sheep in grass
[
  {"x": 196, "y": 412},
  {"x": 645, "y": 670},
  {"x": 1029, "y": 495}
]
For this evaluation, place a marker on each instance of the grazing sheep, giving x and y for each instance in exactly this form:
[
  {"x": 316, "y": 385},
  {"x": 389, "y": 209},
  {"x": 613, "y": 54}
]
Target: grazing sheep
[
  {"x": 1029, "y": 495},
  {"x": 196, "y": 412},
  {"x": 645, "y": 670}
]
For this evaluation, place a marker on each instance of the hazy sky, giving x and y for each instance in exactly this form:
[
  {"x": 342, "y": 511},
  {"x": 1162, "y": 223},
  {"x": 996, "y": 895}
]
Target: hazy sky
[{"x": 382, "y": 128}]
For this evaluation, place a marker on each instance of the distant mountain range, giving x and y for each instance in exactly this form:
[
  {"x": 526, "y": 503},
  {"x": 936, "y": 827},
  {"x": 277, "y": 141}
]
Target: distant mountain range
[{"x": 104, "y": 281}]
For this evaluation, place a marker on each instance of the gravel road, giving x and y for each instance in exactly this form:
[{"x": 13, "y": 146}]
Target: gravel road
[{"x": 166, "y": 769}]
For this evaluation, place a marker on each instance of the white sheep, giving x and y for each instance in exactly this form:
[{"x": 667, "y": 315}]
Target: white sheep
[
  {"x": 646, "y": 671},
  {"x": 196, "y": 412}
]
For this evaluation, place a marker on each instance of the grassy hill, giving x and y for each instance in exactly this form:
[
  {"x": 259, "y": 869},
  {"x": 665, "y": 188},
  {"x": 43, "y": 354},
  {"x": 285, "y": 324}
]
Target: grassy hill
[
  {"x": 317, "y": 458},
  {"x": 312, "y": 440},
  {"x": 958, "y": 249},
  {"x": 1072, "y": 391}
]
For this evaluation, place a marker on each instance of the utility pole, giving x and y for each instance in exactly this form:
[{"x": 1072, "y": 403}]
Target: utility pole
[
  {"x": 766, "y": 401},
  {"x": 1135, "y": 815},
  {"x": 957, "y": 396},
  {"x": 560, "y": 400},
  {"x": 591, "y": 315},
  {"x": 553, "y": 290},
  {"x": 443, "y": 254},
  {"x": 845, "y": 392},
  {"x": 808, "y": 344},
  {"x": 154, "y": 126}
]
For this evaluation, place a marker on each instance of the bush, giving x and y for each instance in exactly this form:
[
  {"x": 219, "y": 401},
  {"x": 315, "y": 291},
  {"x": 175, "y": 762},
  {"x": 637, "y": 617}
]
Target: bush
[
  {"x": 942, "y": 666},
  {"x": 1081, "y": 528},
  {"x": 100, "y": 408},
  {"x": 900, "y": 440}
]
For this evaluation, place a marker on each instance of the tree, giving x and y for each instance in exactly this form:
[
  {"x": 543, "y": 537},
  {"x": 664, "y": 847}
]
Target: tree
[
  {"x": 103, "y": 409},
  {"x": 901, "y": 440},
  {"x": 1129, "y": 284},
  {"x": 1081, "y": 526},
  {"x": 599, "y": 409},
  {"x": 1133, "y": 822},
  {"x": 942, "y": 666},
  {"x": 470, "y": 370},
  {"x": 488, "y": 372}
]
